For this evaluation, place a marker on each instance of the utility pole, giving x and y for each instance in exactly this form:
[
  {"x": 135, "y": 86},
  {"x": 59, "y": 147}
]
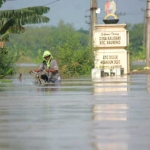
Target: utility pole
[
  {"x": 93, "y": 18},
  {"x": 144, "y": 30},
  {"x": 148, "y": 34}
]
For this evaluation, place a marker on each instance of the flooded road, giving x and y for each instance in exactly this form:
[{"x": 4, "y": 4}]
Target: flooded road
[{"x": 108, "y": 114}]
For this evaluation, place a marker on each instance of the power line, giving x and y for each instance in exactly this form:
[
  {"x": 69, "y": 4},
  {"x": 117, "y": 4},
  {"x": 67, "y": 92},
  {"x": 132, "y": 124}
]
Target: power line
[
  {"x": 134, "y": 14},
  {"x": 51, "y": 2},
  {"x": 143, "y": 0}
]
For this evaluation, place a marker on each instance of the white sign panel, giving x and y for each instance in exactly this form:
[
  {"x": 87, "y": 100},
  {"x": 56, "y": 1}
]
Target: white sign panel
[
  {"x": 109, "y": 59},
  {"x": 110, "y": 38}
]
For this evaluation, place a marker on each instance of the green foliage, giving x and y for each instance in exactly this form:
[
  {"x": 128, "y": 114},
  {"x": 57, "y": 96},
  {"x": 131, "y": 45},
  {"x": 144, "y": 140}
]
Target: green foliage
[
  {"x": 75, "y": 62},
  {"x": 136, "y": 48},
  {"x": 5, "y": 26},
  {"x": 5, "y": 80},
  {"x": 30, "y": 44},
  {"x": 39, "y": 56},
  {"x": 136, "y": 38},
  {"x": 7, "y": 61},
  {"x": 29, "y": 15},
  {"x": 137, "y": 67},
  {"x": 69, "y": 47},
  {"x": 12, "y": 21},
  {"x": 1, "y": 2},
  {"x": 141, "y": 55}
]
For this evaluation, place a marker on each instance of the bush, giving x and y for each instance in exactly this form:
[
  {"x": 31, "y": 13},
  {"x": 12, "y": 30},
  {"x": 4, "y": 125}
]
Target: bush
[{"x": 7, "y": 62}]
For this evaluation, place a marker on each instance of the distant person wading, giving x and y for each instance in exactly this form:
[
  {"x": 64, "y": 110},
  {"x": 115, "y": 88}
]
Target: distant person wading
[{"x": 50, "y": 67}]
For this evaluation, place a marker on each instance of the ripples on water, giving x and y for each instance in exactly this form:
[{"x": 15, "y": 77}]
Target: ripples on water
[{"x": 80, "y": 114}]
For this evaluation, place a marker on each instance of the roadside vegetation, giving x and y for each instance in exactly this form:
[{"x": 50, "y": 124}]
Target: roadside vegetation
[
  {"x": 136, "y": 45},
  {"x": 70, "y": 47},
  {"x": 12, "y": 22}
]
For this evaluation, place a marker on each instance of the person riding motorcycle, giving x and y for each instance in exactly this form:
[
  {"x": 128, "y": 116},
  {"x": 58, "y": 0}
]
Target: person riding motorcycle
[{"x": 50, "y": 67}]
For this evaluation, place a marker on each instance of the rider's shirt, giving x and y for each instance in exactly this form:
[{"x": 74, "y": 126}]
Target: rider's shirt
[{"x": 53, "y": 66}]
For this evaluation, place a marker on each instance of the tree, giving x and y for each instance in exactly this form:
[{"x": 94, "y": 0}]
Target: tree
[
  {"x": 1, "y": 2},
  {"x": 136, "y": 37},
  {"x": 69, "y": 47},
  {"x": 12, "y": 21}
]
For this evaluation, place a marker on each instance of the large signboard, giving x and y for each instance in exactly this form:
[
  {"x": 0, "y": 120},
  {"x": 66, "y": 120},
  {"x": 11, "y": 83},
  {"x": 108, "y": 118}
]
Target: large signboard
[
  {"x": 110, "y": 42},
  {"x": 110, "y": 38}
]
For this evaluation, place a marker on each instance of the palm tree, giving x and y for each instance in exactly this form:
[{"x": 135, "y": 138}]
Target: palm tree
[
  {"x": 1, "y": 2},
  {"x": 12, "y": 21}
]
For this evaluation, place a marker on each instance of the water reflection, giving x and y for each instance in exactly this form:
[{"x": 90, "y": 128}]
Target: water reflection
[
  {"x": 49, "y": 88},
  {"x": 120, "y": 120},
  {"x": 116, "y": 84},
  {"x": 112, "y": 146},
  {"x": 108, "y": 126},
  {"x": 109, "y": 114},
  {"x": 109, "y": 117}
]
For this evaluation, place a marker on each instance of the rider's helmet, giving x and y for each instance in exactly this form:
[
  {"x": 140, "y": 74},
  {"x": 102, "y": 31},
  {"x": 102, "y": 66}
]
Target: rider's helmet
[{"x": 46, "y": 53}]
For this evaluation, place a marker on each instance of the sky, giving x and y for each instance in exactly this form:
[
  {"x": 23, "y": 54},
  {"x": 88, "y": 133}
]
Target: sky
[{"x": 74, "y": 11}]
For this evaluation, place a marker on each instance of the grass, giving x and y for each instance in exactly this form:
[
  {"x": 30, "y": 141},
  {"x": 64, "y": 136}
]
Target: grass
[
  {"x": 5, "y": 81},
  {"x": 137, "y": 67}
]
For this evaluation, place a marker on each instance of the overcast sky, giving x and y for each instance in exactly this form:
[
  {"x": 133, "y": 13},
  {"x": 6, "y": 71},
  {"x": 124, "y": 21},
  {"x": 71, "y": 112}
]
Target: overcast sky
[{"x": 74, "y": 11}]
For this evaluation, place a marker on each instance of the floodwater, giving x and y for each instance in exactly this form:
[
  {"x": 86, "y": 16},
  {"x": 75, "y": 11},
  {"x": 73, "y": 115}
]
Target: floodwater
[{"x": 112, "y": 113}]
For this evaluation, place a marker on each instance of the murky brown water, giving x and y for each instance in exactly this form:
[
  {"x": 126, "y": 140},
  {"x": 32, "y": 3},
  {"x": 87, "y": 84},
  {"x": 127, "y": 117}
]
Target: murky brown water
[{"x": 80, "y": 114}]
